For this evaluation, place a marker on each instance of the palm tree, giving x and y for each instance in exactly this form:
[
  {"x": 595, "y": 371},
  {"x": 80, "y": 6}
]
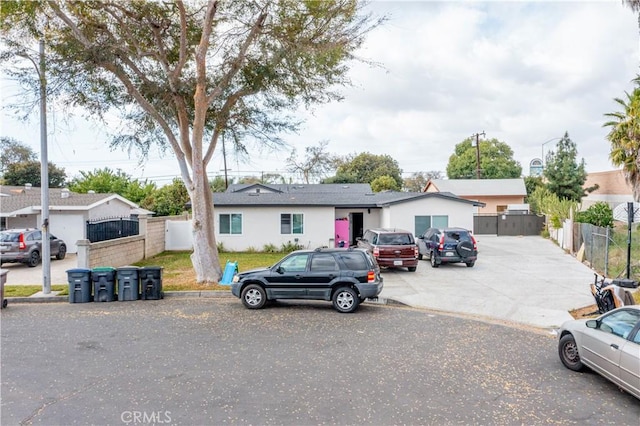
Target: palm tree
[
  {"x": 625, "y": 138},
  {"x": 634, "y": 5}
]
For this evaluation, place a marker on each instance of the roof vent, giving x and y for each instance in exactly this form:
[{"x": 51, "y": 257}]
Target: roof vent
[{"x": 64, "y": 193}]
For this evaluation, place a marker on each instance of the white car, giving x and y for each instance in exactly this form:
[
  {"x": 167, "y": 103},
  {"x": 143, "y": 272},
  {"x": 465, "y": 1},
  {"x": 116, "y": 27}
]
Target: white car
[{"x": 608, "y": 345}]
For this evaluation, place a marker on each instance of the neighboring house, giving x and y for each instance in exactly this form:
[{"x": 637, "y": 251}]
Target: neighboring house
[
  {"x": 20, "y": 207},
  {"x": 495, "y": 195},
  {"x": 331, "y": 215},
  {"x": 612, "y": 189}
]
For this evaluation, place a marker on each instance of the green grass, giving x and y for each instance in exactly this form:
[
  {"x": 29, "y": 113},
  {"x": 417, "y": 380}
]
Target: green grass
[{"x": 28, "y": 290}]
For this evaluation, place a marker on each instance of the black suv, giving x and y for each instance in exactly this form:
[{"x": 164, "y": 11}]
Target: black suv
[
  {"x": 449, "y": 245},
  {"x": 344, "y": 276}
]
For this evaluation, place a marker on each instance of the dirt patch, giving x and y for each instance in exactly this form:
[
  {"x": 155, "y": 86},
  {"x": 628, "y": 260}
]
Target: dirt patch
[{"x": 586, "y": 312}]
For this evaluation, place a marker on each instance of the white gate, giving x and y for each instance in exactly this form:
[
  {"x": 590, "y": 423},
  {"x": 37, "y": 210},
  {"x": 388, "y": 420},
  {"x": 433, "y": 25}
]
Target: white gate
[{"x": 178, "y": 235}]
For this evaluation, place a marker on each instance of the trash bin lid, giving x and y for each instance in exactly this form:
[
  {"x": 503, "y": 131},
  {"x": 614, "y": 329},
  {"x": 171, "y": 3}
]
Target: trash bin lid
[
  {"x": 104, "y": 269},
  {"x": 79, "y": 270},
  {"x": 128, "y": 267}
]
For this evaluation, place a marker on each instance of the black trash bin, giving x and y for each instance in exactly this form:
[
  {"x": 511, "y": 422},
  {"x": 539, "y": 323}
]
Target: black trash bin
[
  {"x": 128, "y": 283},
  {"x": 104, "y": 289},
  {"x": 79, "y": 285},
  {"x": 3, "y": 279},
  {"x": 151, "y": 283}
]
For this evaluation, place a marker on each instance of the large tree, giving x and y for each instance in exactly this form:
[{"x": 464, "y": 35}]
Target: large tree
[
  {"x": 13, "y": 151},
  {"x": 316, "y": 163},
  {"x": 107, "y": 181},
  {"x": 30, "y": 172},
  {"x": 418, "y": 180},
  {"x": 496, "y": 161},
  {"x": 564, "y": 176},
  {"x": 624, "y": 136},
  {"x": 365, "y": 168},
  {"x": 183, "y": 74}
]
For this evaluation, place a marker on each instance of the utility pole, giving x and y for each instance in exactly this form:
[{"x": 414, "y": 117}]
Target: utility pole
[{"x": 477, "y": 136}]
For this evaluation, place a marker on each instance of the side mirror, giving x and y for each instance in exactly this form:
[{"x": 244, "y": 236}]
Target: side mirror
[{"x": 592, "y": 324}]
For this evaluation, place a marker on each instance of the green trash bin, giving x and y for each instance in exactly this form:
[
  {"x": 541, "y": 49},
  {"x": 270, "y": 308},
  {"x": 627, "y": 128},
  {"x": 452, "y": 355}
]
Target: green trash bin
[
  {"x": 103, "y": 284},
  {"x": 151, "y": 283},
  {"x": 79, "y": 285},
  {"x": 128, "y": 283}
]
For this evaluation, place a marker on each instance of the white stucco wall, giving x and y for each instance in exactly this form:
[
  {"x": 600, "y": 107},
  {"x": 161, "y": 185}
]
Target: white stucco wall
[
  {"x": 403, "y": 215},
  {"x": 111, "y": 208},
  {"x": 261, "y": 226}
]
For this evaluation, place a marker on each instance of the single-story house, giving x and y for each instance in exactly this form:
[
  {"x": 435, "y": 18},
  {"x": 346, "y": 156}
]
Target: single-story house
[
  {"x": 20, "y": 207},
  {"x": 494, "y": 195},
  {"x": 613, "y": 189},
  {"x": 327, "y": 215}
]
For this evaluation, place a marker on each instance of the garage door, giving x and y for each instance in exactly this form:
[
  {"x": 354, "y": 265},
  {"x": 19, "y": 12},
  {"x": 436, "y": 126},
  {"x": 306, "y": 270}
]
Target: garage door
[{"x": 69, "y": 227}]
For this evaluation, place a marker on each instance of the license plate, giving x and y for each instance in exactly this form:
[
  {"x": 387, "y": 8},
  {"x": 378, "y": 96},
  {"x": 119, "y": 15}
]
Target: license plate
[
  {"x": 397, "y": 262},
  {"x": 448, "y": 253}
]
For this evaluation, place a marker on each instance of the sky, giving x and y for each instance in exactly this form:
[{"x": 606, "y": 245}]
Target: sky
[{"x": 521, "y": 72}]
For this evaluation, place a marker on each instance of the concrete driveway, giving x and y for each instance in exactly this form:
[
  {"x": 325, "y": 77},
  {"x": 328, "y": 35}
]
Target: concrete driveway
[
  {"x": 527, "y": 280},
  {"x": 20, "y": 274}
]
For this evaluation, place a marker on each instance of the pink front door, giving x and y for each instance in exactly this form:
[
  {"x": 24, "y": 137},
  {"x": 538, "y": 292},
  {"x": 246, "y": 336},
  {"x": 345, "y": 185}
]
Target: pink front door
[{"x": 342, "y": 232}]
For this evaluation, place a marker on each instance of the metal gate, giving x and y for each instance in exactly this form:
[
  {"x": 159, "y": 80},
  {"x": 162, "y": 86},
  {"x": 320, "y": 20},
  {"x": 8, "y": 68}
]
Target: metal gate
[{"x": 508, "y": 224}]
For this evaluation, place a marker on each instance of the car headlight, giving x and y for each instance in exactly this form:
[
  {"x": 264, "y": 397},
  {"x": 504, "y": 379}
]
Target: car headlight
[{"x": 236, "y": 279}]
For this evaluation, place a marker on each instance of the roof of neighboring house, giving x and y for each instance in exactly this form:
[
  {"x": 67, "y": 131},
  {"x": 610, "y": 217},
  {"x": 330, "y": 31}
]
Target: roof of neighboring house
[
  {"x": 25, "y": 200},
  {"x": 315, "y": 196},
  {"x": 478, "y": 187},
  {"x": 611, "y": 183}
]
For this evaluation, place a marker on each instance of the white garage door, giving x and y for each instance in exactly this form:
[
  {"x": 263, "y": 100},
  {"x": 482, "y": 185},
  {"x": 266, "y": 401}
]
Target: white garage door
[{"x": 69, "y": 227}]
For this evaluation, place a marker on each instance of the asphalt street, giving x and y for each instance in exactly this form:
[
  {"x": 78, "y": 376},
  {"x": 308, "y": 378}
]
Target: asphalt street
[{"x": 210, "y": 361}]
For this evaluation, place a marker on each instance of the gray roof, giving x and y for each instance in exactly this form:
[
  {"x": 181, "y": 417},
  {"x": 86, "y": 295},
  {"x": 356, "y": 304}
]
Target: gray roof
[
  {"x": 22, "y": 199},
  {"x": 359, "y": 188},
  {"x": 480, "y": 187},
  {"x": 348, "y": 199}
]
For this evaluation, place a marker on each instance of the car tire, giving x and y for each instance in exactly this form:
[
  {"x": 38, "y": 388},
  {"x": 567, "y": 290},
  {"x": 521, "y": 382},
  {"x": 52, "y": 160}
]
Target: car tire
[
  {"x": 34, "y": 259},
  {"x": 470, "y": 264},
  {"x": 345, "y": 300},
  {"x": 62, "y": 252},
  {"x": 434, "y": 262},
  {"x": 568, "y": 352},
  {"x": 412, "y": 268},
  {"x": 254, "y": 296},
  {"x": 464, "y": 249},
  {"x": 419, "y": 256}
]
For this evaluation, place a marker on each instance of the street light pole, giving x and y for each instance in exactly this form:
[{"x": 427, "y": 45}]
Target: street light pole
[
  {"x": 44, "y": 177},
  {"x": 543, "y": 144}
]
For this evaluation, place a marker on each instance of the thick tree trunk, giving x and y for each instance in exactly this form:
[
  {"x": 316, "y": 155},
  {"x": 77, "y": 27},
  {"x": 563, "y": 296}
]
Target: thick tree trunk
[{"x": 205, "y": 258}]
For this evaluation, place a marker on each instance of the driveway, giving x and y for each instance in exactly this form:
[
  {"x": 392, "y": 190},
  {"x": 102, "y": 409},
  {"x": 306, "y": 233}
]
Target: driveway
[
  {"x": 210, "y": 361},
  {"x": 527, "y": 280},
  {"x": 20, "y": 274}
]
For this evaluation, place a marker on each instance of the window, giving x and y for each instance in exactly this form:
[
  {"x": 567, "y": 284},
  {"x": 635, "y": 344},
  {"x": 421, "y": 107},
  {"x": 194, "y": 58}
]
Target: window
[
  {"x": 422, "y": 223},
  {"x": 291, "y": 223},
  {"x": 355, "y": 261},
  {"x": 620, "y": 323},
  {"x": 231, "y": 223},
  {"x": 323, "y": 262},
  {"x": 295, "y": 263}
]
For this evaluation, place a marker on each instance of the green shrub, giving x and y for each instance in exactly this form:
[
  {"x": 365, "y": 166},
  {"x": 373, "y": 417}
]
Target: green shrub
[
  {"x": 599, "y": 214},
  {"x": 269, "y": 248},
  {"x": 289, "y": 247},
  {"x": 221, "y": 248}
]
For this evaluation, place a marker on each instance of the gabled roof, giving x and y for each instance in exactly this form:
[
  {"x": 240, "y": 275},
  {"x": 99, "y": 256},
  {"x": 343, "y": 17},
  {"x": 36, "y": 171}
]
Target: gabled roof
[
  {"x": 28, "y": 200},
  {"x": 478, "y": 187},
  {"x": 358, "y": 188}
]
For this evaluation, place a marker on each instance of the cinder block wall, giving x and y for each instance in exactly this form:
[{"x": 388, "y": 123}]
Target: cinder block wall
[{"x": 115, "y": 253}]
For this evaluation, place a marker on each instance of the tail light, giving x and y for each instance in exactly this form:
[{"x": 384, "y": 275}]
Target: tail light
[
  {"x": 441, "y": 245},
  {"x": 376, "y": 252},
  {"x": 371, "y": 276},
  {"x": 475, "y": 245},
  {"x": 21, "y": 243},
  {"x": 416, "y": 252}
]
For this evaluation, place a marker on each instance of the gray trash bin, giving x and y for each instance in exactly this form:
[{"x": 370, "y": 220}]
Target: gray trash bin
[
  {"x": 151, "y": 283},
  {"x": 128, "y": 283},
  {"x": 104, "y": 289},
  {"x": 79, "y": 285},
  {"x": 3, "y": 279}
]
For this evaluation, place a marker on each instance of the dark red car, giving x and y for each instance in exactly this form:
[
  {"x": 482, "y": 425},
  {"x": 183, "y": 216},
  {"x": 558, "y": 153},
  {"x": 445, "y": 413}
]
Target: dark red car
[{"x": 392, "y": 248}]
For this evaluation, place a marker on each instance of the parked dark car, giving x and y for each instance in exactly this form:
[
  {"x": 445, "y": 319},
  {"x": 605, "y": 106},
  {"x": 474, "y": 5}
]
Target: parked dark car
[
  {"x": 25, "y": 246},
  {"x": 392, "y": 248},
  {"x": 449, "y": 245},
  {"x": 344, "y": 276},
  {"x": 608, "y": 345}
]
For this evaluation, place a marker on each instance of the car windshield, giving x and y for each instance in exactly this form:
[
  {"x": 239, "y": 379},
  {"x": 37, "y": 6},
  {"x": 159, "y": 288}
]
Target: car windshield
[
  {"x": 395, "y": 239},
  {"x": 456, "y": 236},
  {"x": 9, "y": 237}
]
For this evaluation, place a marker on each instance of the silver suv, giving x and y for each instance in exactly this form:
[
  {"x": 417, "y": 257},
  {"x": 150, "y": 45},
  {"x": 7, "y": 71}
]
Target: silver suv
[{"x": 25, "y": 246}]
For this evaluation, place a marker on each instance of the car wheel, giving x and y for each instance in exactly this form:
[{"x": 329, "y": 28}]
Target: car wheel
[
  {"x": 62, "y": 252},
  {"x": 434, "y": 263},
  {"x": 345, "y": 300},
  {"x": 470, "y": 264},
  {"x": 34, "y": 259},
  {"x": 412, "y": 268},
  {"x": 464, "y": 249},
  {"x": 254, "y": 296},
  {"x": 568, "y": 351},
  {"x": 5, "y": 302},
  {"x": 419, "y": 256}
]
